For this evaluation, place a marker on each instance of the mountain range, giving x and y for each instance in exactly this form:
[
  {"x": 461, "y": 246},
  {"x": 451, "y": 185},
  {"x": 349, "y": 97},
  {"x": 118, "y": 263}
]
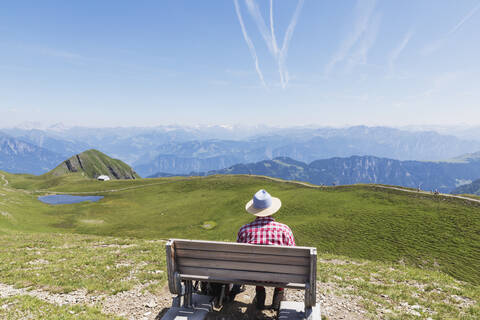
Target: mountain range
[
  {"x": 305, "y": 145},
  {"x": 470, "y": 188},
  {"x": 18, "y": 156},
  {"x": 443, "y": 176},
  {"x": 180, "y": 150}
]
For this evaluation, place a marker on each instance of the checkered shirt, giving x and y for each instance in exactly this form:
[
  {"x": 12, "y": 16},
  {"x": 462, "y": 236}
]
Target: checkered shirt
[{"x": 264, "y": 230}]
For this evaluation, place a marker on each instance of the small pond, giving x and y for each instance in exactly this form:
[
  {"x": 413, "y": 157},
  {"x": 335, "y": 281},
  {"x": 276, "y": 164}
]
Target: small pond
[{"x": 67, "y": 199}]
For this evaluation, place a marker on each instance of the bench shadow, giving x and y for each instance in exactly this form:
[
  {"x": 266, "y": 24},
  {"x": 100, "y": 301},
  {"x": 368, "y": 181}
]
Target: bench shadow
[
  {"x": 233, "y": 311},
  {"x": 237, "y": 310},
  {"x": 161, "y": 313}
]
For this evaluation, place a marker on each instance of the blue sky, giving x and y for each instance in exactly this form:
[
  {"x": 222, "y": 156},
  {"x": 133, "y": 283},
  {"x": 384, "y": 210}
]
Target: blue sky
[{"x": 120, "y": 63}]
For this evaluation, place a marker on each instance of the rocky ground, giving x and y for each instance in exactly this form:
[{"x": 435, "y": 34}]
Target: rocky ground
[
  {"x": 332, "y": 306},
  {"x": 140, "y": 304}
]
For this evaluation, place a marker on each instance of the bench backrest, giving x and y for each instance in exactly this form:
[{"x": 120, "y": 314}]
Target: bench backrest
[{"x": 227, "y": 262}]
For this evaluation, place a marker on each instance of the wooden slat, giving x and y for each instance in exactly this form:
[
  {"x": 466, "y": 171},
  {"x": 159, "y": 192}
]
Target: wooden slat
[
  {"x": 245, "y": 266},
  {"x": 170, "y": 256},
  {"x": 247, "y": 282},
  {"x": 313, "y": 276},
  {"x": 243, "y": 275},
  {"x": 242, "y": 248},
  {"x": 245, "y": 257}
]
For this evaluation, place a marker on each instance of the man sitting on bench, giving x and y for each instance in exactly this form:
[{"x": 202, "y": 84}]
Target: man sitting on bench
[{"x": 264, "y": 230}]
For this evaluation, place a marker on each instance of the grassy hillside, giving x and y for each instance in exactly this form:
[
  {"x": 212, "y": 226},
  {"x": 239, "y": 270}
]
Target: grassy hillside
[
  {"x": 103, "y": 266},
  {"x": 366, "y": 222},
  {"x": 93, "y": 163}
]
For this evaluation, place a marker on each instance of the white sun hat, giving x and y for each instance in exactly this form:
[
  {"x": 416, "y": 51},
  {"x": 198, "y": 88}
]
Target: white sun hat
[{"x": 263, "y": 204}]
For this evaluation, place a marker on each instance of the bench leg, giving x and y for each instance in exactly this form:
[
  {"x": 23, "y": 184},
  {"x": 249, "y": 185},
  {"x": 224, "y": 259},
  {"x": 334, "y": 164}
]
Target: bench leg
[
  {"x": 187, "y": 300},
  {"x": 176, "y": 302},
  {"x": 313, "y": 313},
  {"x": 290, "y": 310}
]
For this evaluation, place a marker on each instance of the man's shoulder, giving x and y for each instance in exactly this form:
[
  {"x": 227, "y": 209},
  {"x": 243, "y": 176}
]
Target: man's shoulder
[
  {"x": 280, "y": 225},
  {"x": 246, "y": 225},
  {"x": 269, "y": 223},
  {"x": 255, "y": 224}
]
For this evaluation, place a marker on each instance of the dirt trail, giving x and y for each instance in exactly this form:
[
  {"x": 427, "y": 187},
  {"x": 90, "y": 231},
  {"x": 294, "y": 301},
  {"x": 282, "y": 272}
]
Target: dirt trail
[
  {"x": 332, "y": 306},
  {"x": 138, "y": 304},
  {"x": 306, "y": 184},
  {"x": 5, "y": 181}
]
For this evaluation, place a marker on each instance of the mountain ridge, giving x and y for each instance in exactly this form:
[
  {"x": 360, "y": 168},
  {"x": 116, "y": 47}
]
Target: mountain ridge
[
  {"x": 471, "y": 188},
  {"x": 18, "y": 156},
  {"x": 93, "y": 163},
  {"x": 443, "y": 176}
]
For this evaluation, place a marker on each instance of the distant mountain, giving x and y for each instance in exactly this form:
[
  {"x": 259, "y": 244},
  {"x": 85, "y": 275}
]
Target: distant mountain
[
  {"x": 17, "y": 156},
  {"x": 180, "y": 149},
  {"x": 64, "y": 147},
  {"x": 444, "y": 176},
  {"x": 181, "y": 158},
  {"x": 305, "y": 145},
  {"x": 94, "y": 163},
  {"x": 471, "y": 188},
  {"x": 376, "y": 141},
  {"x": 469, "y": 157}
]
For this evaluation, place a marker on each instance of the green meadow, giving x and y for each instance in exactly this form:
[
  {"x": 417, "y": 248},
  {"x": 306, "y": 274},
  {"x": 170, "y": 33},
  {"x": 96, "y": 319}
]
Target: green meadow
[
  {"x": 432, "y": 240},
  {"x": 356, "y": 221}
]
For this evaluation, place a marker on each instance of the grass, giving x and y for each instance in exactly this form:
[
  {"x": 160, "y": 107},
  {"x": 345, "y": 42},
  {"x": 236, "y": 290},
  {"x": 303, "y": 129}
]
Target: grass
[
  {"x": 62, "y": 263},
  {"x": 208, "y": 225},
  {"x": 26, "y": 307},
  {"x": 357, "y": 221},
  {"x": 400, "y": 253},
  {"x": 397, "y": 291},
  {"x": 473, "y": 196}
]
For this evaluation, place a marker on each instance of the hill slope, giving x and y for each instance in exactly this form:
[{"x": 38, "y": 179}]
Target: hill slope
[
  {"x": 92, "y": 163},
  {"x": 365, "y": 222}
]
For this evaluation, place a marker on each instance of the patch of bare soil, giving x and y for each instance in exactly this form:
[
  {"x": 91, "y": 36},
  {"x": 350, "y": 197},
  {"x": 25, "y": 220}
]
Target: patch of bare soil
[
  {"x": 138, "y": 304},
  {"x": 332, "y": 305}
]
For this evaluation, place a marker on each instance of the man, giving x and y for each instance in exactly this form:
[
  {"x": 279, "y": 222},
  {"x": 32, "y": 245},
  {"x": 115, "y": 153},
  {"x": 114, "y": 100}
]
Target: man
[{"x": 265, "y": 230}]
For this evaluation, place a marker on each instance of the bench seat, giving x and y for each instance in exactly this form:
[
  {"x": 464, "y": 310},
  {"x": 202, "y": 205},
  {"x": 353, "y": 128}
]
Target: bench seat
[{"x": 240, "y": 263}]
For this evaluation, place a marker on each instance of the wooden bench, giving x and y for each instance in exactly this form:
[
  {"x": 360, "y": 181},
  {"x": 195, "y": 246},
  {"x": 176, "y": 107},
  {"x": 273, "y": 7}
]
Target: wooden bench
[{"x": 238, "y": 263}]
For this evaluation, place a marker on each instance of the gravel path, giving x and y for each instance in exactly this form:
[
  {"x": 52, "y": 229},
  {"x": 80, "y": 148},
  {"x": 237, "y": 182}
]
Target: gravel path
[
  {"x": 306, "y": 184},
  {"x": 5, "y": 181},
  {"x": 138, "y": 304},
  {"x": 332, "y": 306}
]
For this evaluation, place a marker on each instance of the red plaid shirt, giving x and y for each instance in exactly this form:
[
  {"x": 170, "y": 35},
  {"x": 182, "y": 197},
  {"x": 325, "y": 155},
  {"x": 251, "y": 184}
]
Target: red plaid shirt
[{"x": 264, "y": 230}]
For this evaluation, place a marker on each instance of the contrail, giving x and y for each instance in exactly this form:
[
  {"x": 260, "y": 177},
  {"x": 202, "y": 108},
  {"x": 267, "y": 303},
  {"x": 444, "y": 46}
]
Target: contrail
[
  {"x": 286, "y": 41},
  {"x": 249, "y": 42},
  {"x": 363, "y": 14},
  {"x": 398, "y": 50},
  {"x": 434, "y": 46},
  {"x": 272, "y": 29},
  {"x": 262, "y": 27},
  {"x": 465, "y": 19},
  {"x": 269, "y": 37}
]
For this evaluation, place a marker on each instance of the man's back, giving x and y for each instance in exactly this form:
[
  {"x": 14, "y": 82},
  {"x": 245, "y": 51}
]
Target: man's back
[{"x": 266, "y": 231}]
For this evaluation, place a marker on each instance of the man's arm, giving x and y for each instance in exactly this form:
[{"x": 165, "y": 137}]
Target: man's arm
[
  {"x": 240, "y": 237},
  {"x": 290, "y": 239}
]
